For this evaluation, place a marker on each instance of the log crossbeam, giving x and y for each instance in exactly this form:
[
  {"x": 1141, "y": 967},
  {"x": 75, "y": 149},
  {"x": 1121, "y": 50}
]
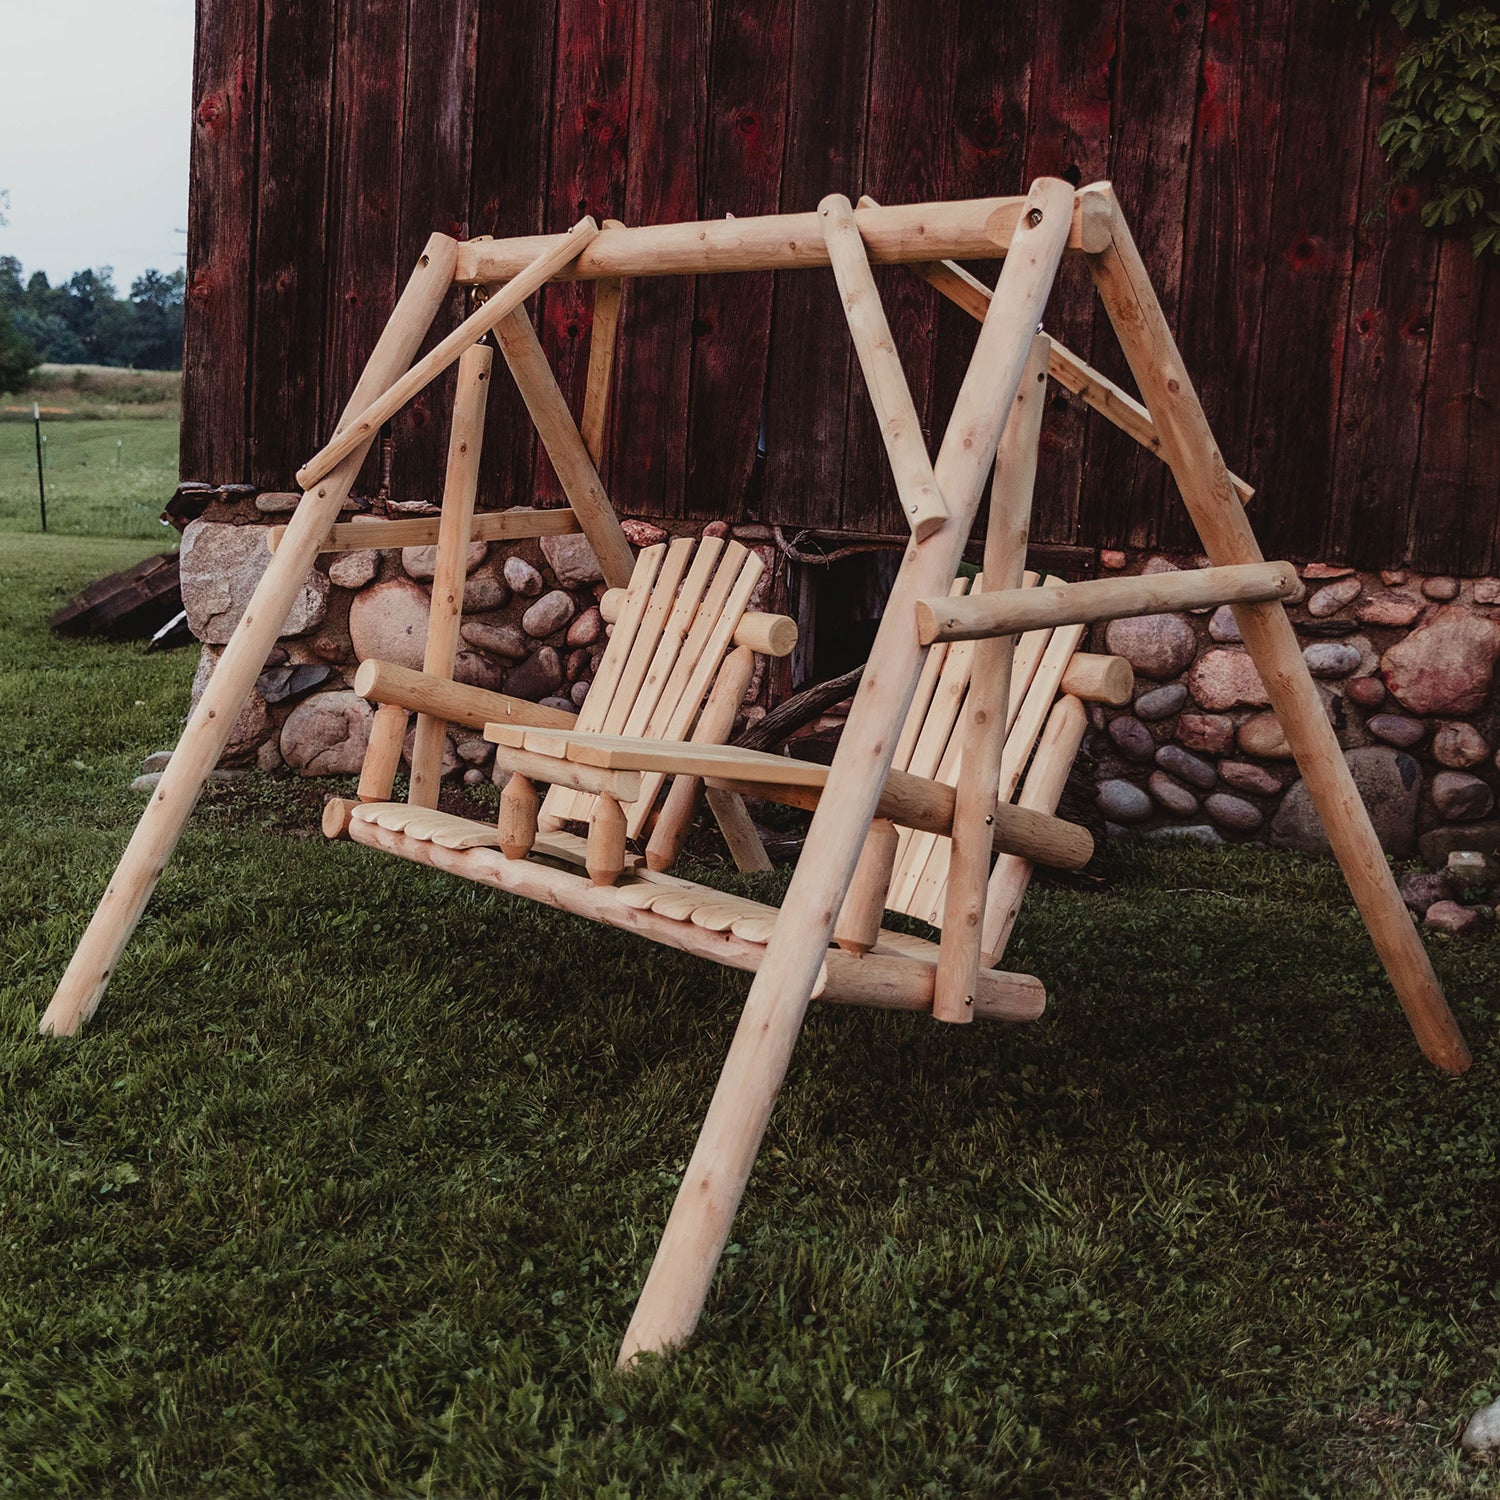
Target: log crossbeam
[{"x": 982, "y": 616}]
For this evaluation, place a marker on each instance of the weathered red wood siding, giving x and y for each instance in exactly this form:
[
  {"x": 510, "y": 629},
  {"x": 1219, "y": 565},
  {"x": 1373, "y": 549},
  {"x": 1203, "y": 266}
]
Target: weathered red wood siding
[{"x": 1349, "y": 359}]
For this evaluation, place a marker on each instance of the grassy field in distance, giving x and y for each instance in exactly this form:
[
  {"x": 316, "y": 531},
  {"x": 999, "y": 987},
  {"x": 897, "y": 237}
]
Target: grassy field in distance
[{"x": 110, "y": 456}]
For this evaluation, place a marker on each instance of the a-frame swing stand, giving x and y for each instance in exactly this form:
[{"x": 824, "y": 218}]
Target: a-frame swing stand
[{"x": 996, "y": 410}]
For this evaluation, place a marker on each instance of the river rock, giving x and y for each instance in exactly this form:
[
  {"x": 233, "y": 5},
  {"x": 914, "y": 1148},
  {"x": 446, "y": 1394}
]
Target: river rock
[
  {"x": 1223, "y": 679},
  {"x": 1455, "y": 920},
  {"x": 576, "y": 665},
  {"x": 220, "y": 565},
  {"x": 1245, "y": 776},
  {"x": 1367, "y": 692},
  {"x": 587, "y": 628},
  {"x": 1188, "y": 768},
  {"x": 1445, "y": 665},
  {"x": 1482, "y": 1434},
  {"x": 549, "y": 614},
  {"x": 1330, "y": 600},
  {"x": 475, "y": 670},
  {"x": 1260, "y": 735},
  {"x": 473, "y": 751},
  {"x": 277, "y": 684},
  {"x": 388, "y": 621},
  {"x": 572, "y": 560},
  {"x": 1331, "y": 658},
  {"x": 1390, "y": 785},
  {"x": 1440, "y": 587},
  {"x": 1458, "y": 746},
  {"x": 327, "y": 734},
  {"x": 1112, "y": 558},
  {"x": 1396, "y": 729},
  {"x": 1223, "y": 627},
  {"x": 1172, "y": 794},
  {"x": 1184, "y": 833},
  {"x": 485, "y": 590},
  {"x": 1421, "y": 889},
  {"x": 353, "y": 570},
  {"x": 1157, "y": 646},
  {"x": 1160, "y": 703},
  {"x": 579, "y": 691},
  {"x": 538, "y": 676},
  {"x": 523, "y": 578},
  {"x": 1233, "y": 812},
  {"x": 1213, "y": 733},
  {"x": 1123, "y": 802},
  {"x": 505, "y": 640},
  {"x": 642, "y": 533},
  {"x": 421, "y": 562},
  {"x": 1398, "y": 610},
  {"x": 1322, "y": 570},
  {"x": 1131, "y": 738},
  {"x": 1487, "y": 590},
  {"x": 1460, "y": 797}
]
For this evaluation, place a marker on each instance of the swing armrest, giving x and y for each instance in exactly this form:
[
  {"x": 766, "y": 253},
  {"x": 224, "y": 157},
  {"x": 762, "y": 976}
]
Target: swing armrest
[
  {"x": 910, "y": 800},
  {"x": 457, "y": 702}
]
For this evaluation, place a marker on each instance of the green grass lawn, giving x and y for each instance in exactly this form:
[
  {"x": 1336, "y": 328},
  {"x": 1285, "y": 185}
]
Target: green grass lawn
[
  {"x": 351, "y": 1186},
  {"x": 109, "y": 477}
]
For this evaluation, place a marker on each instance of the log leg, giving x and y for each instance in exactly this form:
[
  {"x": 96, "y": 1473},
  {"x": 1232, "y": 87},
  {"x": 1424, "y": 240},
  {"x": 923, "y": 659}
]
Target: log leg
[
  {"x": 460, "y": 485},
  {"x": 1188, "y": 446},
  {"x": 377, "y": 776},
  {"x": 978, "y": 791},
  {"x": 857, "y": 929},
  {"x": 208, "y": 727},
  {"x": 678, "y": 1283},
  {"x": 604, "y": 855},
  {"x": 517, "y": 824}
]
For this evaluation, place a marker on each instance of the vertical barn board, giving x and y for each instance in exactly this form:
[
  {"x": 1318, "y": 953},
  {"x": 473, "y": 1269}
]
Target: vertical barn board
[
  {"x": 1385, "y": 357},
  {"x": 1453, "y": 519},
  {"x": 991, "y": 90},
  {"x": 654, "y": 366},
  {"x": 1309, "y": 272},
  {"x": 364, "y": 201},
  {"x": 746, "y": 131},
  {"x": 811, "y": 357},
  {"x": 1156, "y": 94},
  {"x": 587, "y": 175},
  {"x": 221, "y": 233},
  {"x": 1235, "y": 158},
  {"x": 1072, "y": 80},
  {"x": 441, "y": 37},
  {"x": 296, "y": 69},
  {"x": 507, "y": 188},
  {"x": 908, "y": 138}
]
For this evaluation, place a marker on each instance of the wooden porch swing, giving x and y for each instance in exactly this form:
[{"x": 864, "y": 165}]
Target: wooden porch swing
[{"x": 969, "y": 713}]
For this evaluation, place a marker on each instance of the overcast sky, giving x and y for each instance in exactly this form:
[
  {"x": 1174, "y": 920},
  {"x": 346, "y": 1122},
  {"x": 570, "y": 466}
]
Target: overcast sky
[{"x": 95, "y": 114}]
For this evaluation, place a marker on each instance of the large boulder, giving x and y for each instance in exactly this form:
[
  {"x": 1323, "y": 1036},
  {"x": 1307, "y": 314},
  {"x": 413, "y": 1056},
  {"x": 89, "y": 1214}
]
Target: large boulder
[
  {"x": 388, "y": 622},
  {"x": 220, "y": 566},
  {"x": 327, "y": 734},
  {"x": 1389, "y": 783},
  {"x": 1445, "y": 665}
]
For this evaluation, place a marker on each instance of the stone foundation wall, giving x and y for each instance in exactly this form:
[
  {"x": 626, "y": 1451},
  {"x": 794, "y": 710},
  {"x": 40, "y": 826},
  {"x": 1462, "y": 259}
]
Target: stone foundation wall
[
  {"x": 1404, "y": 664},
  {"x": 531, "y": 628}
]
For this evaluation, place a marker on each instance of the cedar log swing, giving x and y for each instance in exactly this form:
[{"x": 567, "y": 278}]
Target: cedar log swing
[{"x": 851, "y": 845}]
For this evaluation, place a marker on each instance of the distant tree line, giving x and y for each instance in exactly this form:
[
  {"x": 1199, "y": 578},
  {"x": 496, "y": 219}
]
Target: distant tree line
[{"x": 84, "y": 320}]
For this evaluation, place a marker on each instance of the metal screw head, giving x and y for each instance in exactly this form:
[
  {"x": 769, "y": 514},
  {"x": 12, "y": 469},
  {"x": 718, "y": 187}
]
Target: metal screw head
[{"x": 1034, "y": 217}]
